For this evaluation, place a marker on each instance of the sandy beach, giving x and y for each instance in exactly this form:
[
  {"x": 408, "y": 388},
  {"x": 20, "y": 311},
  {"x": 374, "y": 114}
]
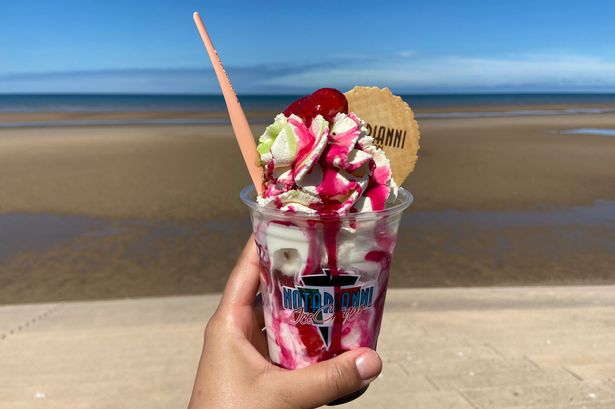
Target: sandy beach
[{"x": 117, "y": 211}]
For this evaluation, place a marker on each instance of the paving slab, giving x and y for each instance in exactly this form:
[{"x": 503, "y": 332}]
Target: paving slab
[
  {"x": 538, "y": 396},
  {"x": 497, "y": 379},
  {"x": 464, "y": 348}
]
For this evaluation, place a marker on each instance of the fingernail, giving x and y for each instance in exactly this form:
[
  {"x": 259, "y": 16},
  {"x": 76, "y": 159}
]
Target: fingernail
[{"x": 368, "y": 364}]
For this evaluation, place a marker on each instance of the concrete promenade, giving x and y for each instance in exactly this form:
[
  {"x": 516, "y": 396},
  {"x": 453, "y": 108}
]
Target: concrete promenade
[{"x": 476, "y": 348}]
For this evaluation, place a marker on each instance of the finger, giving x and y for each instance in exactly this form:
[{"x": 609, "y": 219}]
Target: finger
[
  {"x": 243, "y": 282},
  {"x": 326, "y": 381}
]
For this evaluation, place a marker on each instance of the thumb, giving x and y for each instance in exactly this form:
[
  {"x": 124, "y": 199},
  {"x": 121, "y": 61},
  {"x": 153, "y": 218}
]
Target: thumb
[{"x": 326, "y": 381}]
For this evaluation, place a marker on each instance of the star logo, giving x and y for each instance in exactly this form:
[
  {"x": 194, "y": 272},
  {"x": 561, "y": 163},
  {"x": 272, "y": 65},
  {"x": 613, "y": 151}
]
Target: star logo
[{"x": 319, "y": 299}]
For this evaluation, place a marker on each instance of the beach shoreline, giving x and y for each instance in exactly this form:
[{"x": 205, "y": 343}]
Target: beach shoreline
[{"x": 435, "y": 112}]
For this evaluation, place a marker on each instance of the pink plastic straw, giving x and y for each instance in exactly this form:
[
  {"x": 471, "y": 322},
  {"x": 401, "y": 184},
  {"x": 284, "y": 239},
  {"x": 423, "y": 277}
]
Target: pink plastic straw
[{"x": 242, "y": 130}]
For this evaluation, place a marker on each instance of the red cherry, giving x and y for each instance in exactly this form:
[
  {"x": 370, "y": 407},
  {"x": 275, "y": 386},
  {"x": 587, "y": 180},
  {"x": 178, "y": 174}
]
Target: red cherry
[
  {"x": 326, "y": 101},
  {"x": 330, "y": 102},
  {"x": 303, "y": 108}
]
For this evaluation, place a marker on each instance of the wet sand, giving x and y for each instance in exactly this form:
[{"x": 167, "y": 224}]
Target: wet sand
[{"x": 118, "y": 211}]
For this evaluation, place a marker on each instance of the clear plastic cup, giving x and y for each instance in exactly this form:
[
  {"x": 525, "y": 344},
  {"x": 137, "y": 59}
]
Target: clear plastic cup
[{"x": 323, "y": 278}]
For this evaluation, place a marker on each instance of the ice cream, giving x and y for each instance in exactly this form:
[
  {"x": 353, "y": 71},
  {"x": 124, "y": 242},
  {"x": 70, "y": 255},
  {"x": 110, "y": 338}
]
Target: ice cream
[
  {"x": 326, "y": 227},
  {"x": 318, "y": 158}
]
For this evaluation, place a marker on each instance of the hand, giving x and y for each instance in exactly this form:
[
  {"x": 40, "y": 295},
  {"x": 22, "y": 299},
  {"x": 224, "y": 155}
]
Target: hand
[{"x": 234, "y": 370}]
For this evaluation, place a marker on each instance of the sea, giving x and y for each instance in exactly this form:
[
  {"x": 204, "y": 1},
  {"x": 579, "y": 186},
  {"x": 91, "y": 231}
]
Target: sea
[{"x": 427, "y": 105}]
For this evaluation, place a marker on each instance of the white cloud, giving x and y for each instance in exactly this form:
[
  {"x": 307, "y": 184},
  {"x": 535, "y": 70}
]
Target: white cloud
[
  {"x": 404, "y": 71},
  {"x": 557, "y": 71}
]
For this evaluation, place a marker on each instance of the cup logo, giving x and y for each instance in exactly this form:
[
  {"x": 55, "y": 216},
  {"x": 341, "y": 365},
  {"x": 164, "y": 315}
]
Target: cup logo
[{"x": 321, "y": 300}]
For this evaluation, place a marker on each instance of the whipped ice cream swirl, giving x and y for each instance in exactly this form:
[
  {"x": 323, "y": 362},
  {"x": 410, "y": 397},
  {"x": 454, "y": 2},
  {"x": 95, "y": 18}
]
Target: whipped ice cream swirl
[{"x": 324, "y": 167}]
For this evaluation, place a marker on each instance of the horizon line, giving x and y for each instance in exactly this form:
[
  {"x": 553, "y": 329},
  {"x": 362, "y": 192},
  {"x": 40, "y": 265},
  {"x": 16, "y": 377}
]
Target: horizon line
[{"x": 250, "y": 94}]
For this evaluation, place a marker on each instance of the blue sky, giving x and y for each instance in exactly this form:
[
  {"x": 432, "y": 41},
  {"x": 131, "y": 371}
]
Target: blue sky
[{"x": 136, "y": 46}]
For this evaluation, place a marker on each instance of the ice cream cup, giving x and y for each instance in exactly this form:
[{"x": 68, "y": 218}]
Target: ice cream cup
[{"x": 323, "y": 278}]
